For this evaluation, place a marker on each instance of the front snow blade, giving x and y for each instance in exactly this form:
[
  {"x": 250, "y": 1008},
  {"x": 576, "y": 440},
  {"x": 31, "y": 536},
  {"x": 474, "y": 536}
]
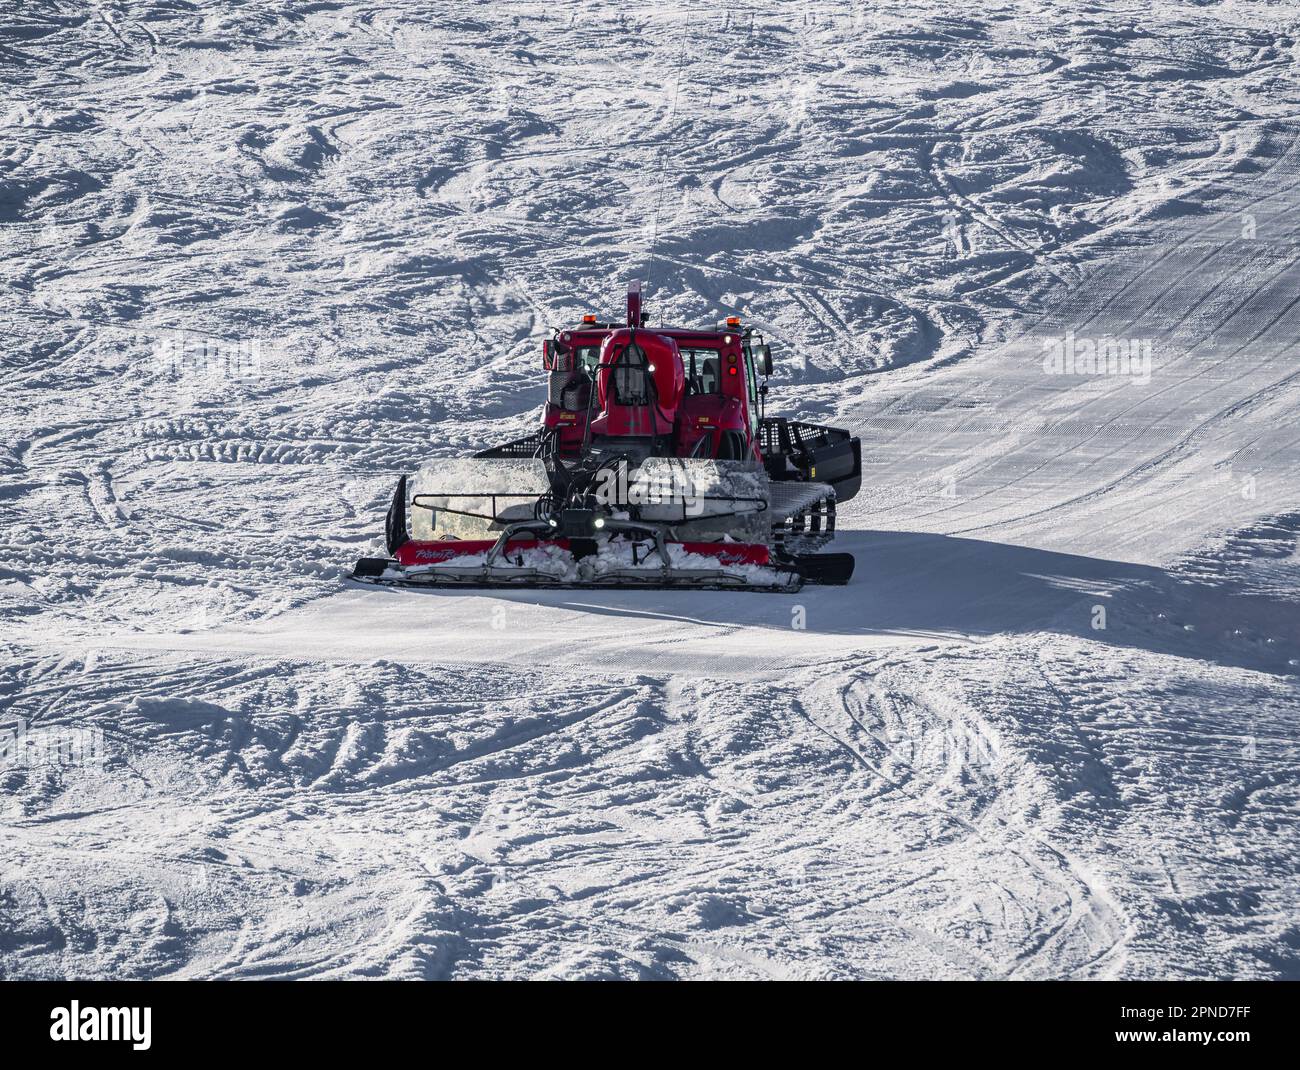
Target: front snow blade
[
  {"x": 371, "y": 568},
  {"x": 383, "y": 572},
  {"x": 395, "y": 523},
  {"x": 474, "y": 497}
]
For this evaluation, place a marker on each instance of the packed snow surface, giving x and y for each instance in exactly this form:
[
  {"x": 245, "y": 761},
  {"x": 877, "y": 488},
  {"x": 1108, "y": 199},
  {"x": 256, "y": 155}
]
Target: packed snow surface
[{"x": 261, "y": 258}]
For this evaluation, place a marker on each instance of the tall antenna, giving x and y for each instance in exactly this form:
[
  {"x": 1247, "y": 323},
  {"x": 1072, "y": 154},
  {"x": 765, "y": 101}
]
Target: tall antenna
[{"x": 659, "y": 196}]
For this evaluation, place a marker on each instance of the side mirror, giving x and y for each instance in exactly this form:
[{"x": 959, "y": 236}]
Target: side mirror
[
  {"x": 555, "y": 358},
  {"x": 765, "y": 359}
]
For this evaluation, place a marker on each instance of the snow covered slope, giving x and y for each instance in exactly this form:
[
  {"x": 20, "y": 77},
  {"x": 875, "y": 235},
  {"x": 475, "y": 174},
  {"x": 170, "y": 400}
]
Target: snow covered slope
[{"x": 262, "y": 257}]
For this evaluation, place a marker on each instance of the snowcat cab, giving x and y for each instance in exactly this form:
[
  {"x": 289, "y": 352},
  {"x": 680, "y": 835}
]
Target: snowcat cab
[{"x": 655, "y": 466}]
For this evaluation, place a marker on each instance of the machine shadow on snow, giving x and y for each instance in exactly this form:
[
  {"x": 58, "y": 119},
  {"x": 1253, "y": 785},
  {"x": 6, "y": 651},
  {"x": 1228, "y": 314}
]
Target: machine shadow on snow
[{"x": 946, "y": 587}]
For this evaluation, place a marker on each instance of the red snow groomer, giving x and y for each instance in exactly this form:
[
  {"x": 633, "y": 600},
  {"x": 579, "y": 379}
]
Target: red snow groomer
[{"x": 655, "y": 466}]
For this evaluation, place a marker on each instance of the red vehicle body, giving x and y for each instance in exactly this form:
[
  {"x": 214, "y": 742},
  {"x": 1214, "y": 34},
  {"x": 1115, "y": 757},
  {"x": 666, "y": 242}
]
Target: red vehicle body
[{"x": 440, "y": 552}]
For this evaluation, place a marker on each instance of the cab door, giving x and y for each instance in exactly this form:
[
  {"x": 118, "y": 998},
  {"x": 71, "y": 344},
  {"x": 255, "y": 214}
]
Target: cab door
[{"x": 751, "y": 393}]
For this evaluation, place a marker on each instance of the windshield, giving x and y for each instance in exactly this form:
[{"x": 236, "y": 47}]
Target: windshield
[{"x": 630, "y": 380}]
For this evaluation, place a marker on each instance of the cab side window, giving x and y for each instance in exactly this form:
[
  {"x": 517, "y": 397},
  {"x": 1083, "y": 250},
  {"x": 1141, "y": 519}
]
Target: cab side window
[
  {"x": 751, "y": 377},
  {"x": 703, "y": 375}
]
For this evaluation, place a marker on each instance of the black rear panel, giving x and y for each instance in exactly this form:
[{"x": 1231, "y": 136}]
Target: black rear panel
[
  {"x": 796, "y": 450},
  {"x": 532, "y": 446}
]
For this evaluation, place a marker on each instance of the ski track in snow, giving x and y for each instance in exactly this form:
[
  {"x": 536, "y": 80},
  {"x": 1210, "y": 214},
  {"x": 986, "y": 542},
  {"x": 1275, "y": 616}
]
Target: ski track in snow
[{"x": 261, "y": 259}]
